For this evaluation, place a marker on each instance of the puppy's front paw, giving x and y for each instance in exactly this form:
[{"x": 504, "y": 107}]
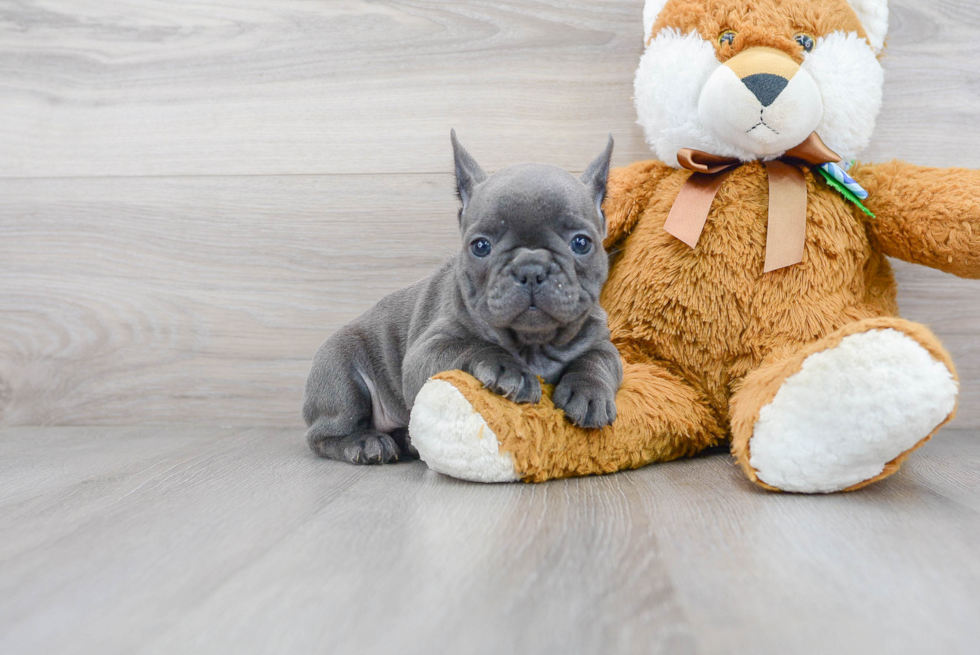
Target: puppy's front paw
[
  {"x": 586, "y": 401},
  {"x": 509, "y": 378}
]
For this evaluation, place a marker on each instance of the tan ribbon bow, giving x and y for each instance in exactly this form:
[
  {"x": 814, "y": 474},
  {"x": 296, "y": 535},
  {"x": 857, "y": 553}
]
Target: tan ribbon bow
[{"x": 786, "y": 235}]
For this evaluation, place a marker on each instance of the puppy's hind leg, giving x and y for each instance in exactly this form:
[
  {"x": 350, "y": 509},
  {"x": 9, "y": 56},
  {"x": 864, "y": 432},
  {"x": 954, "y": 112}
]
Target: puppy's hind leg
[
  {"x": 361, "y": 447},
  {"x": 338, "y": 410},
  {"x": 404, "y": 441}
]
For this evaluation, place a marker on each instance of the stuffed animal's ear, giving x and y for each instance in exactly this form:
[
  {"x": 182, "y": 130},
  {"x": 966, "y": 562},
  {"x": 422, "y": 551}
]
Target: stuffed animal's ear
[
  {"x": 874, "y": 16},
  {"x": 468, "y": 172},
  {"x": 596, "y": 175},
  {"x": 651, "y": 10}
]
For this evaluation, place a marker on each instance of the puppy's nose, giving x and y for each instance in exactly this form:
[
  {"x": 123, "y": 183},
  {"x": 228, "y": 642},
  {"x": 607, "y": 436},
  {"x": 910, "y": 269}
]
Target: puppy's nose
[
  {"x": 766, "y": 87},
  {"x": 531, "y": 275}
]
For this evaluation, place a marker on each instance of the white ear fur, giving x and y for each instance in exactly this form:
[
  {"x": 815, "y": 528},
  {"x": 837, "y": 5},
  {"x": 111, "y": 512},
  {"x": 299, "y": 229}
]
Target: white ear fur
[
  {"x": 874, "y": 17},
  {"x": 872, "y": 13},
  {"x": 651, "y": 10},
  {"x": 851, "y": 80}
]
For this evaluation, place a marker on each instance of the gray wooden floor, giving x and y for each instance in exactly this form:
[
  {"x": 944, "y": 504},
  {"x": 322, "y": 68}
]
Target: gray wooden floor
[
  {"x": 195, "y": 193},
  {"x": 139, "y": 540}
]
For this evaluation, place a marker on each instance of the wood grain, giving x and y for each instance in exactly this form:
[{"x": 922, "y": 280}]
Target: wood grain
[
  {"x": 195, "y": 540},
  {"x": 194, "y": 195},
  {"x": 932, "y": 87},
  {"x": 196, "y": 299},
  {"x": 179, "y": 87}
]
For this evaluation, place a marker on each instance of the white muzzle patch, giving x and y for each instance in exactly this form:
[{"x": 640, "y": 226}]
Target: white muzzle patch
[{"x": 763, "y": 114}]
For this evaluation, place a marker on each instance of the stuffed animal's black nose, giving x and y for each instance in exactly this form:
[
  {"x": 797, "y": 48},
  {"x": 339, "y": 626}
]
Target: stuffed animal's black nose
[{"x": 766, "y": 86}]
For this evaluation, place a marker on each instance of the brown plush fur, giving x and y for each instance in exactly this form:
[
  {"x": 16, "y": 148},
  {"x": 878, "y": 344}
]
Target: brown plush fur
[
  {"x": 706, "y": 337},
  {"x": 771, "y": 23},
  {"x": 924, "y": 215},
  {"x": 711, "y": 310}
]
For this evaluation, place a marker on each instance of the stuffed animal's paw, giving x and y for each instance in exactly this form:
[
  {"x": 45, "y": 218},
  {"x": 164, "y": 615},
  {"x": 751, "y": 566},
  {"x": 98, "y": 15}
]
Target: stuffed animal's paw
[
  {"x": 586, "y": 401},
  {"x": 845, "y": 411},
  {"x": 507, "y": 377},
  {"x": 451, "y": 435}
]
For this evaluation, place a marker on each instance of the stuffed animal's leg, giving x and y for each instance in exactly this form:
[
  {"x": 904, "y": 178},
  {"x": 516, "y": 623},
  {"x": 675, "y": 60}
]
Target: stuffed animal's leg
[
  {"x": 845, "y": 411},
  {"x": 463, "y": 430}
]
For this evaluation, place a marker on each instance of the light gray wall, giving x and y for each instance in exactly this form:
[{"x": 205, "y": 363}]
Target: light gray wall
[{"x": 189, "y": 191}]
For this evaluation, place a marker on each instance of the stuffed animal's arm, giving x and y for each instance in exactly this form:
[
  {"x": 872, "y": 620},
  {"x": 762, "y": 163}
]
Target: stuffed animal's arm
[
  {"x": 627, "y": 194},
  {"x": 928, "y": 216}
]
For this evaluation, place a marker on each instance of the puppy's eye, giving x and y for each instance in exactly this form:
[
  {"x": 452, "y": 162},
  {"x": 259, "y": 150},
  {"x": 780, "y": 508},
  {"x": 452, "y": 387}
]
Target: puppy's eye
[
  {"x": 806, "y": 41},
  {"x": 581, "y": 245},
  {"x": 727, "y": 37},
  {"x": 481, "y": 247}
]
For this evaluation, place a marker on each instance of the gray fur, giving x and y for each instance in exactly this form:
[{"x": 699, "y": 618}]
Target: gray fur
[{"x": 528, "y": 309}]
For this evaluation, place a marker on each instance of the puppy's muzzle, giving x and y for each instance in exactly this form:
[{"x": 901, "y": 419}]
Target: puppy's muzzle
[
  {"x": 531, "y": 270},
  {"x": 533, "y": 291}
]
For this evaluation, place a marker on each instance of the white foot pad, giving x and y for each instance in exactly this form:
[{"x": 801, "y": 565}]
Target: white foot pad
[
  {"x": 849, "y": 411},
  {"x": 453, "y": 439}
]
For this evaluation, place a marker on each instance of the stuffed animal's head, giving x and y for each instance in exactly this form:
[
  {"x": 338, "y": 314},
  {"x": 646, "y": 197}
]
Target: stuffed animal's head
[{"x": 751, "y": 79}]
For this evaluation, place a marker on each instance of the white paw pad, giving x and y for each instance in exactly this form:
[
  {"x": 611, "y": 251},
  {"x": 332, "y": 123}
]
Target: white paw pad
[
  {"x": 849, "y": 411},
  {"x": 453, "y": 439}
]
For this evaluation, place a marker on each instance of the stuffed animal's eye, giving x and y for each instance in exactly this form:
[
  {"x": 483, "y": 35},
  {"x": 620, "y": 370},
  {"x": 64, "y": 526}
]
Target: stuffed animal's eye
[
  {"x": 727, "y": 37},
  {"x": 481, "y": 247},
  {"x": 806, "y": 41},
  {"x": 581, "y": 245}
]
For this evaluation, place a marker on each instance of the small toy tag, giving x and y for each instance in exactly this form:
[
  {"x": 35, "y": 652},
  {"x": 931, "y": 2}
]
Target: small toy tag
[{"x": 847, "y": 186}]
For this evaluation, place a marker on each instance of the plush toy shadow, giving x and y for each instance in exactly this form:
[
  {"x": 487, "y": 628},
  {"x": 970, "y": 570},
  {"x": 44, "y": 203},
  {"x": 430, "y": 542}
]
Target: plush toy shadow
[{"x": 750, "y": 296}]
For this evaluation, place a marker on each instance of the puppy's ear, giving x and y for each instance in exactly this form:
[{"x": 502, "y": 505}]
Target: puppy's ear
[
  {"x": 595, "y": 177},
  {"x": 468, "y": 172}
]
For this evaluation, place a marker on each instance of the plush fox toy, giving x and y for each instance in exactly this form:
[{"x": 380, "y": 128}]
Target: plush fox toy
[{"x": 750, "y": 295}]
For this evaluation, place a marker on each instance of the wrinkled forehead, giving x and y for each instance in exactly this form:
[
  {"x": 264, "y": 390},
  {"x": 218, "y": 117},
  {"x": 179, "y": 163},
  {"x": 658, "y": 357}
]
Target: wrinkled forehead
[
  {"x": 760, "y": 22},
  {"x": 532, "y": 195}
]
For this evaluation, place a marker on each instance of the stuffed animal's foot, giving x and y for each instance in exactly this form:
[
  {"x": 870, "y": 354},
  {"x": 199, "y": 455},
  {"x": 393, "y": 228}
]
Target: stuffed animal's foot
[
  {"x": 843, "y": 412},
  {"x": 453, "y": 439}
]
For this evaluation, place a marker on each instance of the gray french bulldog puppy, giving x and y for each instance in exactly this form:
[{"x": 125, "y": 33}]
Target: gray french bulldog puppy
[{"x": 520, "y": 301}]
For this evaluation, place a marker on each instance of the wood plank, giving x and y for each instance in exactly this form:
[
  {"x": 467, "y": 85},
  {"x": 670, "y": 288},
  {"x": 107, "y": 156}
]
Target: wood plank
[
  {"x": 244, "y": 541},
  {"x": 891, "y": 569},
  {"x": 196, "y": 299},
  {"x": 28, "y": 469},
  {"x": 295, "y": 87},
  {"x": 951, "y": 307},
  {"x": 242, "y": 87},
  {"x": 931, "y": 88},
  {"x": 241, "y": 541}
]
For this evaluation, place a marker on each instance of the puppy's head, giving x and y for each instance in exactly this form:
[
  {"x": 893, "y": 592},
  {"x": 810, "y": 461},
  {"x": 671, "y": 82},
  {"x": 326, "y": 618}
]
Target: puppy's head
[{"x": 532, "y": 259}]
